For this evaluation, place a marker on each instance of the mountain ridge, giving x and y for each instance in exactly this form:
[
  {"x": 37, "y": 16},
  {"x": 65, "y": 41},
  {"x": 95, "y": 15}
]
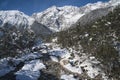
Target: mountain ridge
[
  {"x": 61, "y": 18},
  {"x": 54, "y": 18},
  {"x": 15, "y": 18}
]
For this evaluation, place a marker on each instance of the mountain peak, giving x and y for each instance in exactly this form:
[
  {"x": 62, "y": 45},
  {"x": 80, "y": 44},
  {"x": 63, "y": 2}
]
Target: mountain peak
[
  {"x": 52, "y": 8},
  {"x": 57, "y": 18},
  {"x": 61, "y": 18},
  {"x": 15, "y": 18},
  {"x": 11, "y": 12}
]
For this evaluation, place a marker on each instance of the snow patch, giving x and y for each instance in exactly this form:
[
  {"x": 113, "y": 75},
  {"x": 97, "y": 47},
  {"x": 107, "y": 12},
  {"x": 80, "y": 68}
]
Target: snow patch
[
  {"x": 5, "y": 66},
  {"x": 30, "y": 56},
  {"x": 62, "y": 53},
  {"x": 73, "y": 69},
  {"x": 68, "y": 77},
  {"x": 30, "y": 71},
  {"x": 53, "y": 58}
]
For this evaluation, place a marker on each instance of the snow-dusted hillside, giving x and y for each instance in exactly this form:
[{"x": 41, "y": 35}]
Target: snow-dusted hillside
[
  {"x": 55, "y": 18},
  {"x": 101, "y": 39},
  {"x": 61, "y": 18},
  {"x": 53, "y": 63},
  {"x": 58, "y": 18},
  {"x": 14, "y": 18}
]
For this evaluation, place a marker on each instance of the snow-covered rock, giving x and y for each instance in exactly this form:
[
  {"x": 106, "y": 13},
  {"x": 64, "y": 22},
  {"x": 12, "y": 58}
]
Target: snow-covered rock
[
  {"x": 5, "y": 66},
  {"x": 91, "y": 68},
  {"x": 30, "y": 71},
  {"x": 73, "y": 69},
  {"x": 68, "y": 77},
  {"x": 9, "y": 64},
  {"x": 53, "y": 58},
  {"x": 58, "y": 52},
  {"x": 30, "y": 56}
]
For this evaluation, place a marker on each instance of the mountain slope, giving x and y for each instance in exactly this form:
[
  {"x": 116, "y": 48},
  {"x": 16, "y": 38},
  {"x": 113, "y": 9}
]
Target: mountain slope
[
  {"x": 92, "y": 16},
  {"x": 100, "y": 39},
  {"x": 15, "y": 18},
  {"x": 57, "y": 18},
  {"x": 21, "y": 21},
  {"x": 40, "y": 30},
  {"x": 61, "y": 18}
]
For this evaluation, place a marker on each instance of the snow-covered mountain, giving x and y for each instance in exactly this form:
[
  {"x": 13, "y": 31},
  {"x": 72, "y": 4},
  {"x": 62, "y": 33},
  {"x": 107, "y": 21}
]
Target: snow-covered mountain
[
  {"x": 21, "y": 21},
  {"x": 54, "y": 18},
  {"x": 98, "y": 10},
  {"x": 61, "y": 18},
  {"x": 58, "y": 18},
  {"x": 15, "y": 18},
  {"x": 81, "y": 53}
]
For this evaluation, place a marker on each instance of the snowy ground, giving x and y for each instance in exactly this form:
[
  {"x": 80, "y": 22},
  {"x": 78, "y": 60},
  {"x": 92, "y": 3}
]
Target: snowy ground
[
  {"x": 5, "y": 66},
  {"x": 30, "y": 71},
  {"x": 68, "y": 77},
  {"x": 72, "y": 61},
  {"x": 77, "y": 64}
]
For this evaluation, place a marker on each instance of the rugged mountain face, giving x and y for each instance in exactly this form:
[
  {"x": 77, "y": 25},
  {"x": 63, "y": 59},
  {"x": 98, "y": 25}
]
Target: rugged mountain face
[
  {"x": 58, "y": 18},
  {"x": 61, "y": 18},
  {"x": 15, "y": 18},
  {"x": 22, "y": 21}
]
